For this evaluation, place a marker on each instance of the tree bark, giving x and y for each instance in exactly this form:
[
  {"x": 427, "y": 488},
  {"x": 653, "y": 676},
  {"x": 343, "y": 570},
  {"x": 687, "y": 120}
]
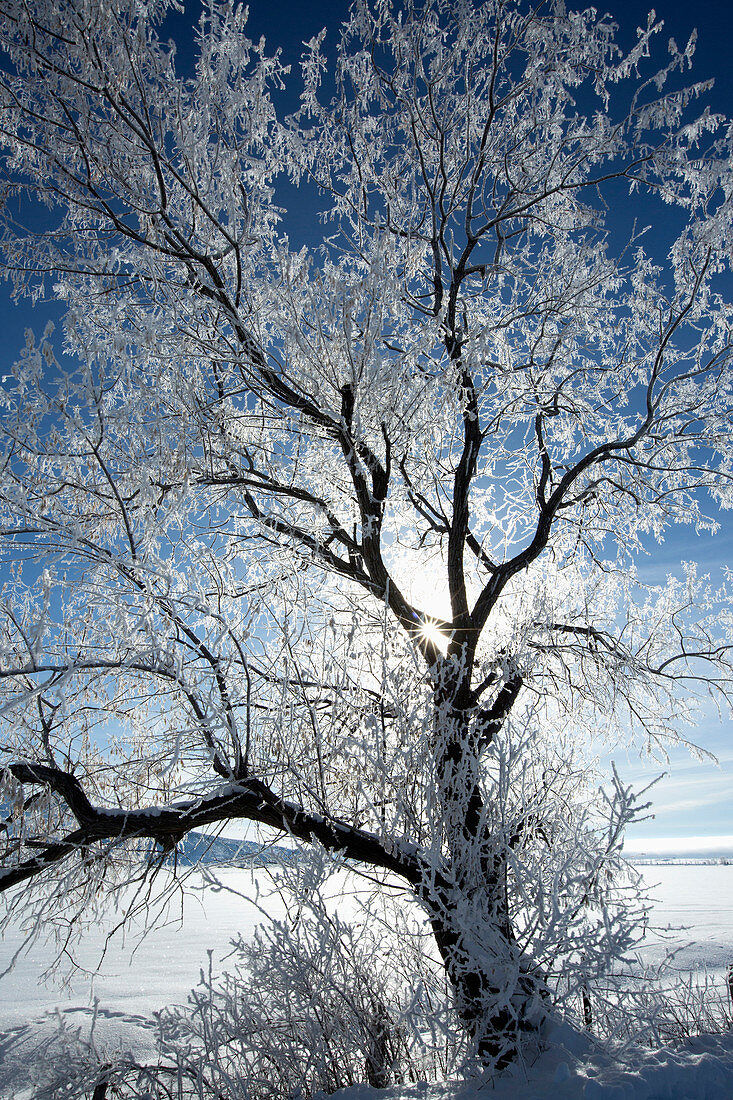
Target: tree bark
[
  {"x": 499, "y": 996},
  {"x": 498, "y": 993}
]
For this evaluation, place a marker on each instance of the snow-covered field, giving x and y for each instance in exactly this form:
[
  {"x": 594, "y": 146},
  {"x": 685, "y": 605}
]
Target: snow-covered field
[
  {"x": 697, "y": 903},
  {"x": 125, "y": 978},
  {"x": 139, "y": 976}
]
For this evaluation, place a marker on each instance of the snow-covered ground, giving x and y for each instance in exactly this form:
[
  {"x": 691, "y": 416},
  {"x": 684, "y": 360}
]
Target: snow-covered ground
[
  {"x": 701, "y": 1070},
  {"x": 138, "y": 977},
  {"x": 137, "y": 974},
  {"x": 696, "y": 902}
]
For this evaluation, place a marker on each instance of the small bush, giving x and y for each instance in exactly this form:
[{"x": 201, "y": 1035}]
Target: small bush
[{"x": 317, "y": 1003}]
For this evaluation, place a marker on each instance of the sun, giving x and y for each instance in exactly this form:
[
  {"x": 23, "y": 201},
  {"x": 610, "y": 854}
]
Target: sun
[{"x": 434, "y": 633}]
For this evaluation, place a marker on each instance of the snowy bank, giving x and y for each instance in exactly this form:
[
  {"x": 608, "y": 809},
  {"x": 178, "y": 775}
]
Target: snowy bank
[
  {"x": 41, "y": 1061},
  {"x": 573, "y": 1069}
]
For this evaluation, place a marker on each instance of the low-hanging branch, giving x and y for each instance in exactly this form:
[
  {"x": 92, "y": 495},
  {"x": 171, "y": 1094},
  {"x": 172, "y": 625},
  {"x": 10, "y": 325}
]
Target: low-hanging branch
[{"x": 250, "y": 800}]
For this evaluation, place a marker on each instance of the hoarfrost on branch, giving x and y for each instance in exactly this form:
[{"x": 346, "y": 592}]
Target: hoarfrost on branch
[{"x": 339, "y": 538}]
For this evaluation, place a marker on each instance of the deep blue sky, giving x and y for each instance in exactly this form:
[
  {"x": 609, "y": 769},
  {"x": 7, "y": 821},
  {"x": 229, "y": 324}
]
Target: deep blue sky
[{"x": 696, "y": 799}]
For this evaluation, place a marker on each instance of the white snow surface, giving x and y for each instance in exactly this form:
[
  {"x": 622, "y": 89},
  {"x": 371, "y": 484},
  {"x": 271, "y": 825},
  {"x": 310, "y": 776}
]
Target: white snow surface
[
  {"x": 138, "y": 977},
  {"x": 701, "y": 1070},
  {"x": 695, "y": 905},
  {"x": 135, "y": 974}
]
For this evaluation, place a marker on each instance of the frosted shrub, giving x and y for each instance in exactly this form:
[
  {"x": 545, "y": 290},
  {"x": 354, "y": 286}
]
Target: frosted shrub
[
  {"x": 314, "y": 1003},
  {"x": 655, "y": 1005},
  {"x": 660, "y": 1009},
  {"x": 694, "y": 1005}
]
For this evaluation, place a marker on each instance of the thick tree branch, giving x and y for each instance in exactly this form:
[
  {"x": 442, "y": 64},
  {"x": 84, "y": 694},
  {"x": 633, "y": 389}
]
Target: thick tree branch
[{"x": 250, "y": 800}]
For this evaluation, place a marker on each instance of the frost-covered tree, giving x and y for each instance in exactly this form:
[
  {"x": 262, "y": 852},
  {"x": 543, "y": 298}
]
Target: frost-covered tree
[{"x": 339, "y": 539}]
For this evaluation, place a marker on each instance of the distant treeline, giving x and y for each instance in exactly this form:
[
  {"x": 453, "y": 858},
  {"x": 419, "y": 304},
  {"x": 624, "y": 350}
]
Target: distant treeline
[{"x": 682, "y": 861}]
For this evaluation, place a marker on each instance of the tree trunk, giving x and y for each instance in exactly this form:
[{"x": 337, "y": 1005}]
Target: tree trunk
[
  {"x": 499, "y": 997},
  {"x": 498, "y": 994}
]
